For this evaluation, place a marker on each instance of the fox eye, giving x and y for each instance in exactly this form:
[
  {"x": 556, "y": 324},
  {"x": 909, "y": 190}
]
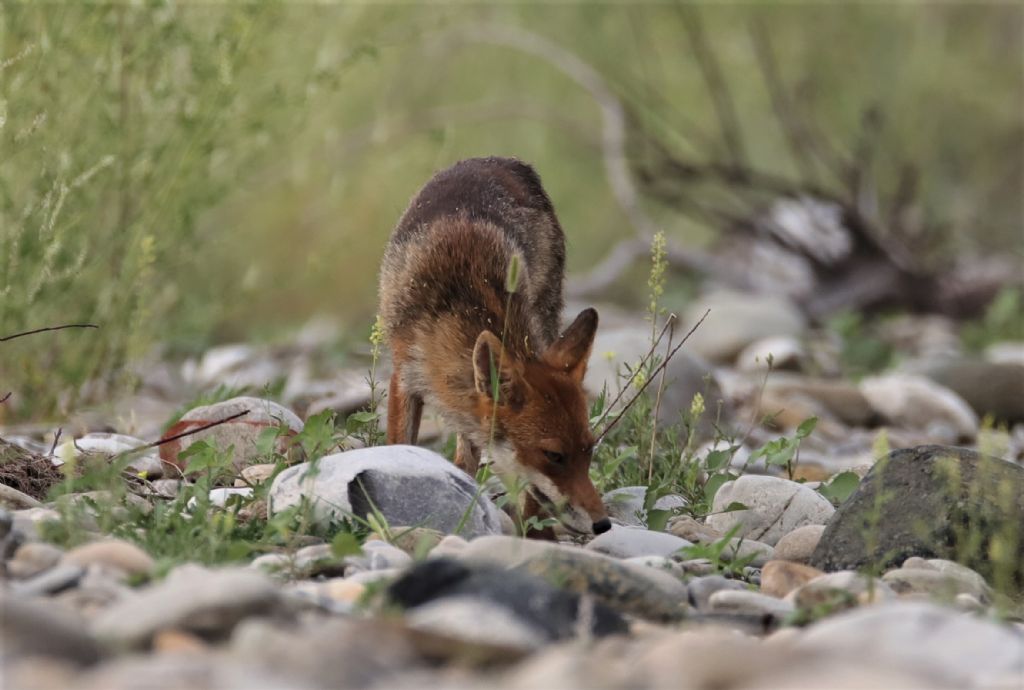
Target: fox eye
[{"x": 555, "y": 458}]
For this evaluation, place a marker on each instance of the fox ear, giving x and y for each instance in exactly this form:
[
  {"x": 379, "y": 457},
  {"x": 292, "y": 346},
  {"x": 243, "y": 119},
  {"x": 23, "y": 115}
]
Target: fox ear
[
  {"x": 572, "y": 349},
  {"x": 489, "y": 362}
]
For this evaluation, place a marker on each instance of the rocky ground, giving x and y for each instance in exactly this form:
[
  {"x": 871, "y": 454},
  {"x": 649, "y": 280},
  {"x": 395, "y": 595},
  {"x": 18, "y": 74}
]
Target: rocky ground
[{"x": 913, "y": 580}]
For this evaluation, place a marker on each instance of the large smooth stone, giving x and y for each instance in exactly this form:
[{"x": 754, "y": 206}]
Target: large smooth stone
[
  {"x": 775, "y": 507},
  {"x": 408, "y": 485},
  {"x": 933, "y": 502}
]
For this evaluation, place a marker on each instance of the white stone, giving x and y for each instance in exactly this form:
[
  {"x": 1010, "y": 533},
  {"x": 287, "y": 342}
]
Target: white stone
[
  {"x": 775, "y": 507},
  {"x": 916, "y": 402},
  {"x": 407, "y": 484},
  {"x": 629, "y": 542},
  {"x": 98, "y": 443}
]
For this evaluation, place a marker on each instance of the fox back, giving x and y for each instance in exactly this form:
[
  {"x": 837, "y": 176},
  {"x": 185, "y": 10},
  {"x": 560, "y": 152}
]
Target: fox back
[{"x": 486, "y": 354}]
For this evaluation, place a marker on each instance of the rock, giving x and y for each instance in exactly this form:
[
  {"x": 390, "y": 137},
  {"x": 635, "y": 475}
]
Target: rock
[
  {"x": 219, "y": 497},
  {"x": 755, "y": 553},
  {"x": 775, "y": 507},
  {"x": 33, "y": 629},
  {"x": 660, "y": 563},
  {"x": 843, "y": 589},
  {"x": 690, "y": 529},
  {"x": 242, "y": 433},
  {"x": 206, "y": 602},
  {"x": 177, "y": 642},
  {"x": 798, "y": 545},
  {"x": 166, "y": 488},
  {"x": 950, "y": 647},
  {"x": 378, "y": 555},
  {"x": 779, "y": 578},
  {"x": 253, "y": 475},
  {"x": 627, "y": 542},
  {"x": 686, "y": 375},
  {"x": 701, "y": 590},
  {"x": 416, "y": 541},
  {"x": 842, "y": 399},
  {"x": 478, "y": 620},
  {"x": 915, "y": 402},
  {"x": 738, "y": 320},
  {"x": 178, "y": 671},
  {"x": 273, "y": 563},
  {"x": 146, "y": 462},
  {"x": 112, "y": 553},
  {"x": 27, "y": 521},
  {"x": 95, "y": 591},
  {"x": 344, "y": 590},
  {"x": 990, "y": 388},
  {"x": 938, "y": 578},
  {"x": 50, "y": 581},
  {"x": 328, "y": 653},
  {"x": 635, "y": 590},
  {"x": 1006, "y": 352},
  {"x": 407, "y": 484},
  {"x": 15, "y": 500},
  {"x": 744, "y": 601},
  {"x": 626, "y": 504},
  {"x": 786, "y": 354},
  {"x": 451, "y": 545},
  {"x": 936, "y": 502},
  {"x": 539, "y": 608},
  {"x": 33, "y": 558}
]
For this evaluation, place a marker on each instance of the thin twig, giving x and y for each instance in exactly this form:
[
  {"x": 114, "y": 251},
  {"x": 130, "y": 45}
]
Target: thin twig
[
  {"x": 48, "y": 328},
  {"x": 643, "y": 361},
  {"x": 650, "y": 378},
  {"x": 183, "y": 434},
  {"x": 6, "y": 397},
  {"x": 56, "y": 440}
]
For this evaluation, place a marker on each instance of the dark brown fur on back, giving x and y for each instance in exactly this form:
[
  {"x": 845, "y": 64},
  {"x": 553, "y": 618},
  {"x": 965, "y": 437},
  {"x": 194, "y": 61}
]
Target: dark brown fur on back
[{"x": 450, "y": 253}]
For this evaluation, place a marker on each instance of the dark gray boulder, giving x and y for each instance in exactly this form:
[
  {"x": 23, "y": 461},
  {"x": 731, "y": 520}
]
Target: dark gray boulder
[{"x": 933, "y": 502}]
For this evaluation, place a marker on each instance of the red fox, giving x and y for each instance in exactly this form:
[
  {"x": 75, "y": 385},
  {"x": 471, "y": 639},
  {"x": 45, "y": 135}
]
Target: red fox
[{"x": 453, "y": 325}]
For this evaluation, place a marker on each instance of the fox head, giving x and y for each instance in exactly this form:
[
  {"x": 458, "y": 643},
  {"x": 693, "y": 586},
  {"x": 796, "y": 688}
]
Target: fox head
[{"x": 541, "y": 423}]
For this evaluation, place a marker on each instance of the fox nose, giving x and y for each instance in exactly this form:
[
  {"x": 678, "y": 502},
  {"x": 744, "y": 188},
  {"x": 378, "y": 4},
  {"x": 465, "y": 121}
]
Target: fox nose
[{"x": 602, "y": 526}]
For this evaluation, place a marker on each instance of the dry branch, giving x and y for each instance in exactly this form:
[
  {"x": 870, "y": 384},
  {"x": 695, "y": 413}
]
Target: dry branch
[{"x": 48, "y": 328}]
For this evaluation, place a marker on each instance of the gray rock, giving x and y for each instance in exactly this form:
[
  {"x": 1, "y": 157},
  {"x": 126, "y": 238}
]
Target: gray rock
[
  {"x": 34, "y": 629},
  {"x": 990, "y": 388},
  {"x": 702, "y": 588},
  {"x": 112, "y": 553},
  {"x": 786, "y": 354},
  {"x": 842, "y": 589},
  {"x": 378, "y": 555},
  {"x": 756, "y": 553},
  {"x": 477, "y": 620},
  {"x": 842, "y": 399},
  {"x": 33, "y": 558},
  {"x": 177, "y": 671},
  {"x": 939, "y": 578},
  {"x": 636, "y": 590},
  {"x": 798, "y": 545},
  {"x": 968, "y": 652},
  {"x": 658, "y": 563},
  {"x": 407, "y": 484},
  {"x": 915, "y": 402},
  {"x": 690, "y": 529},
  {"x": 627, "y": 542},
  {"x": 328, "y": 652},
  {"x": 192, "y": 598},
  {"x": 738, "y": 320},
  {"x": 745, "y": 601},
  {"x": 936, "y": 502},
  {"x": 49, "y": 581},
  {"x": 626, "y": 504},
  {"x": 775, "y": 507},
  {"x": 537, "y": 605},
  {"x": 27, "y": 521}
]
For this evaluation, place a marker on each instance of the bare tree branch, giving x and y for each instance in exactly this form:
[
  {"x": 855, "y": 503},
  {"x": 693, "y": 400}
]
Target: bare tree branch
[{"x": 48, "y": 328}]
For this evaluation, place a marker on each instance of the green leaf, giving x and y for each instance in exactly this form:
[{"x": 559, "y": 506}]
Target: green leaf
[
  {"x": 714, "y": 483},
  {"x": 839, "y": 488},
  {"x": 345, "y": 544},
  {"x": 806, "y": 427},
  {"x": 657, "y": 519},
  {"x": 734, "y": 506},
  {"x": 717, "y": 459}
]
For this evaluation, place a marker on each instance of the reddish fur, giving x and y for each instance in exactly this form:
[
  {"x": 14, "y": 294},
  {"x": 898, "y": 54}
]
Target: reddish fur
[{"x": 443, "y": 286}]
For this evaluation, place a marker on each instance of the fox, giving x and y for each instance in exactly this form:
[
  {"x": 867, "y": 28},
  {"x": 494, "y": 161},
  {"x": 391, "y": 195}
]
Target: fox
[{"x": 470, "y": 305}]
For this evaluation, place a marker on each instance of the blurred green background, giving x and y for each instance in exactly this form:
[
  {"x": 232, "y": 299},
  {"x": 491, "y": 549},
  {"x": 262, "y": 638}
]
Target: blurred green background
[{"x": 190, "y": 174}]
